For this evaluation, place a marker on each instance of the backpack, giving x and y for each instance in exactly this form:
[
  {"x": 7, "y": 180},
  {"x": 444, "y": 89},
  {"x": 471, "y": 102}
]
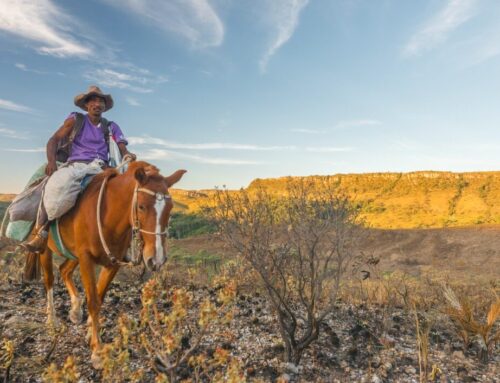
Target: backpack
[{"x": 64, "y": 146}]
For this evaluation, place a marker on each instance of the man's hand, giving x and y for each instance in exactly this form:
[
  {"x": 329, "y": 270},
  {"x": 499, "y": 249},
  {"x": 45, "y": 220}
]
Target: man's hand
[
  {"x": 125, "y": 153},
  {"x": 50, "y": 168},
  {"x": 132, "y": 156}
]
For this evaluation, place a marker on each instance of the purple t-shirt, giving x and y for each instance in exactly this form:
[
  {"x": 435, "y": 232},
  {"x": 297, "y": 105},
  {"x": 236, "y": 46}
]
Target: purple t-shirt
[{"x": 89, "y": 144}]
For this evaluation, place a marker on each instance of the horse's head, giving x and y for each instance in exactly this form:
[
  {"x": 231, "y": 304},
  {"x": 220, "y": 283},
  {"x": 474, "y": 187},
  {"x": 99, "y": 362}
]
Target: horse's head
[{"x": 151, "y": 211}]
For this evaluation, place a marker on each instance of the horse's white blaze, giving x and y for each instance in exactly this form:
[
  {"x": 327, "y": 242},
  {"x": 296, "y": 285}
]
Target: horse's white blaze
[{"x": 159, "y": 206}]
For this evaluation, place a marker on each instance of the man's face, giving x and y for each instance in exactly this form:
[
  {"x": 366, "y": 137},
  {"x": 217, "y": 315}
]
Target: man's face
[{"x": 95, "y": 105}]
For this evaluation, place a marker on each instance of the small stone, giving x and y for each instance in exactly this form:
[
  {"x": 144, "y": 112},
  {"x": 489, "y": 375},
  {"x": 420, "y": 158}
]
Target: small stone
[
  {"x": 285, "y": 378},
  {"x": 410, "y": 370},
  {"x": 292, "y": 368},
  {"x": 376, "y": 361},
  {"x": 458, "y": 354},
  {"x": 9, "y": 333},
  {"x": 461, "y": 371},
  {"x": 376, "y": 379}
]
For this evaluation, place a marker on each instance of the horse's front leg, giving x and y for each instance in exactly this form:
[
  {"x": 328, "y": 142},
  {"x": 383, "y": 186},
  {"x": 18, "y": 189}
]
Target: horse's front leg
[
  {"x": 48, "y": 279},
  {"x": 105, "y": 277},
  {"x": 66, "y": 269},
  {"x": 87, "y": 272}
]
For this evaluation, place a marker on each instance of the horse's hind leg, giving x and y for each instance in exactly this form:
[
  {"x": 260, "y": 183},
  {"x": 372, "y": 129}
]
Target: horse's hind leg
[
  {"x": 66, "y": 269},
  {"x": 48, "y": 279}
]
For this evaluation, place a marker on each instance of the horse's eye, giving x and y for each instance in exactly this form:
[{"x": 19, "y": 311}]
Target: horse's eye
[{"x": 142, "y": 208}]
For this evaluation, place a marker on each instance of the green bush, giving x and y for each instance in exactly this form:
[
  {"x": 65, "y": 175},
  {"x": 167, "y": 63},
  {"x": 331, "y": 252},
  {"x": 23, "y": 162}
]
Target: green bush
[{"x": 187, "y": 225}]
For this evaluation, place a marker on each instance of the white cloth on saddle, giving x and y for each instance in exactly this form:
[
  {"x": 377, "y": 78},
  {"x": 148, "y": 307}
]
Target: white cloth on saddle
[
  {"x": 25, "y": 206},
  {"x": 64, "y": 186}
]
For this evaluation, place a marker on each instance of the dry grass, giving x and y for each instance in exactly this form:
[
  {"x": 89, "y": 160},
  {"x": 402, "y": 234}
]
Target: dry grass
[{"x": 464, "y": 316}]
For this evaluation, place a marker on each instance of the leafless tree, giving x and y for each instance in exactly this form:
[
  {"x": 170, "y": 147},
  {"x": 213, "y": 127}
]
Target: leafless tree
[{"x": 300, "y": 242}]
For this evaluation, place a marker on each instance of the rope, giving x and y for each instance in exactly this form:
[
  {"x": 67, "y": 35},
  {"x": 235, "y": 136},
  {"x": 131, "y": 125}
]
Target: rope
[
  {"x": 99, "y": 224},
  {"x": 4, "y": 221},
  {"x": 135, "y": 222}
]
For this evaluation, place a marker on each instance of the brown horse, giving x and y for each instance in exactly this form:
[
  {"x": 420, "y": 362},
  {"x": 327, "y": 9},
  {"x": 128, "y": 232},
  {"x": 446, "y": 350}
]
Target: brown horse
[{"x": 137, "y": 199}]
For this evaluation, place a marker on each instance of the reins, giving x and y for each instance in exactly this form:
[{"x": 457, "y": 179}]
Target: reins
[{"x": 136, "y": 227}]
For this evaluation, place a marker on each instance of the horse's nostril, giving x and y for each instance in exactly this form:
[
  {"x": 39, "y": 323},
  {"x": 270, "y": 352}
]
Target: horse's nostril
[{"x": 150, "y": 263}]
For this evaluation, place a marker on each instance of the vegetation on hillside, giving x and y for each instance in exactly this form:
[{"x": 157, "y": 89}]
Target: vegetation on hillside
[{"x": 400, "y": 200}]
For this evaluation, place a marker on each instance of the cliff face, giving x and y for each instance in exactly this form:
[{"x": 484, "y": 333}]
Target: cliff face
[{"x": 417, "y": 199}]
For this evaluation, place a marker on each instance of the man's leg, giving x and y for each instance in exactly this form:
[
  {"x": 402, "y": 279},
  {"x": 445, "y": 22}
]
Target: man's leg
[
  {"x": 59, "y": 196},
  {"x": 38, "y": 240},
  {"x": 54, "y": 189}
]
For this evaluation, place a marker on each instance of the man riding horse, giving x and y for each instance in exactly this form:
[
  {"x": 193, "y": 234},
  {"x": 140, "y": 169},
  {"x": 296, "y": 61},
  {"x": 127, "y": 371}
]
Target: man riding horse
[
  {"x": 116, "y": 210},
  {"x": 82, "y": 144}
]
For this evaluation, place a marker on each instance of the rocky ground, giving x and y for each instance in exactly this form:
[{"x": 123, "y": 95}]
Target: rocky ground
[{"x": 359, "y": 343}]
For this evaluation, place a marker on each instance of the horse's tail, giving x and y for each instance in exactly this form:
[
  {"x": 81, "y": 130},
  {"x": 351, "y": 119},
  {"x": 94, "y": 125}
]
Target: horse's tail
[{"x": 32, "y": 267}]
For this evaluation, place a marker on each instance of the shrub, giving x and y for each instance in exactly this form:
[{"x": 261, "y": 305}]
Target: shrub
[
  {"x": 300, "y": 244},
  {"x": 173, "y": 337}
]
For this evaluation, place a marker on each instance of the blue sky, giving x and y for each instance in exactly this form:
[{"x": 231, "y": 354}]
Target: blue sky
[{"x": 237, "y": 90}]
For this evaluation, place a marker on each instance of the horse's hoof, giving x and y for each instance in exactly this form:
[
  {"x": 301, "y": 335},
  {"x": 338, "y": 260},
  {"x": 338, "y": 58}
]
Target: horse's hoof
[
  {"x": 76, "y": 316},
  {"x": 96, "y": 361}
]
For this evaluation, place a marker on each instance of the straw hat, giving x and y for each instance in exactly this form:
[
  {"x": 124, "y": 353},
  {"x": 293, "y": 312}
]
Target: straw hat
[{"x": 93, "y": 90}]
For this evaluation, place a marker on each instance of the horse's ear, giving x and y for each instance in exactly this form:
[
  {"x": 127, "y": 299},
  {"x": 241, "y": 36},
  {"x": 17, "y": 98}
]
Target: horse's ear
[
  {"x": 175, "y": 177},
  {"x": 141, "y": 176}
]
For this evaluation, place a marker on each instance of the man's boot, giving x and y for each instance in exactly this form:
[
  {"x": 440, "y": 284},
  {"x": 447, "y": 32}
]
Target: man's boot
[{"x": 38, "y": 241}]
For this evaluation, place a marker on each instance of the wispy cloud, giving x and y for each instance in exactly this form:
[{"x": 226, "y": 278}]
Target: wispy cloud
[
  {"x": 162, "y": 154},
  {"x": 308, "y": 131},
  {"x": 437, "y": 30},
  {"x": 283, "y": 16},
  {"x": 327, "y": 149},
  {"x": 136, "y": 80},
  {"x": 10, "y": 105},
  {"x": 25, "y": 68},
  {"x": 43, "y": 22},
  {"x": 357, "y": 123},
  {"x": 147, "y": 141},
  {"x": 204, "y": 146},
  {"x": 11, "y": 133},
  {"x": 33, "y": 150},
  {"x": 194, "y": 20},
  {"x": 132, "y": 101}
]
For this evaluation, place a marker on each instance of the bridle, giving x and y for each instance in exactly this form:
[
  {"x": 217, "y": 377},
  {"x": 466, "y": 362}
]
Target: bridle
[{"x": 136, "y": 225}]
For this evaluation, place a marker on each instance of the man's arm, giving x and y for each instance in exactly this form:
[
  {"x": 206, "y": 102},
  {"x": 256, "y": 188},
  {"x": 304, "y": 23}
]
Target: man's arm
[
  {"x": 124, "y": 151},
  {"x": 60, "y": 134}
]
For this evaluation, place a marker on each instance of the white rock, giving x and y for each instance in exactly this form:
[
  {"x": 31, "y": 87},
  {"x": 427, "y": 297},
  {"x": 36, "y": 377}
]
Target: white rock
[
  {"x": 292, "y": 368},
  {"x": 410, "y": 370},
  {"x": 285, "y": 378},
  {"x": 376, "y": 379}
]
